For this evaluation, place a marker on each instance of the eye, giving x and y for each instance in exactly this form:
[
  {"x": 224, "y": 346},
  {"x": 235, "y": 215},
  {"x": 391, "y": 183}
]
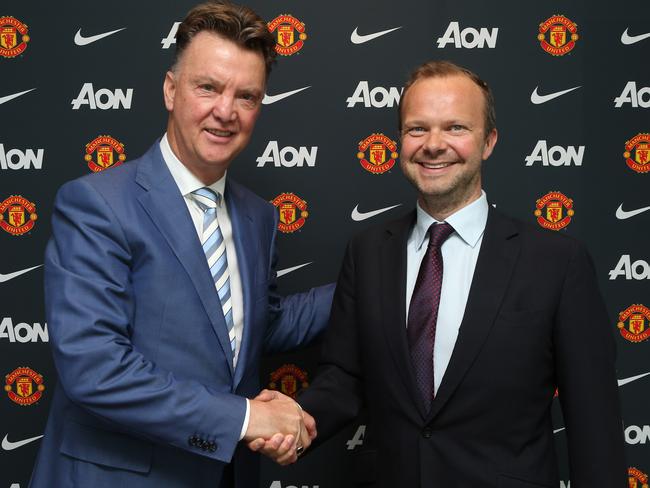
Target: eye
[
  {"x": 415, "y": 131},
  {"x": 206, "y": 87},
  {"x": 250, "y": 99},
  {"x": 457, "y": 128}
]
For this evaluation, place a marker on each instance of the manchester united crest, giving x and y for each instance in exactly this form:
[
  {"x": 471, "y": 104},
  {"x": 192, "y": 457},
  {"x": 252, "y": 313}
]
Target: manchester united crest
[
  {"x": 24, "y": 386},
  {"x": 632, "y": 323},
  {"x": 289, "y": 379},
  {"x": 636, "y": 478},
  {"x": 558, "y": 35},
  {"x": 13, "y": 37},
  {"x": 554, "y": 210},
  {"x": 17, "y": 215},
  {"x": 637, "y": 153},
  {"x": 290, "y": 34},
  {"x": 377, "y": 153},
  {"x": 293, "y": 212},
  {"x": 104, "y": 152}
]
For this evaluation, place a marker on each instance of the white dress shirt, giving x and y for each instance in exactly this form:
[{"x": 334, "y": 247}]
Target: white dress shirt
[
  {"x": 459, "y": 256},
  {"x": 187, "y": 183}
]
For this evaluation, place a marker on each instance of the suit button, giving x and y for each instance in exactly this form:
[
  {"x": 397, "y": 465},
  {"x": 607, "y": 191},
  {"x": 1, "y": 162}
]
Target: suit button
[
  {"x": 205, "y": 445},
  {"x": 212, "y": 447},
  {"x": 426, "y": 432},
  {"x": 192, "y": 440}
]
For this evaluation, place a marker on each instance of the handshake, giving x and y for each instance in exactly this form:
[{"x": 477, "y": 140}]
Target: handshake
[{"x": 278, "y": 427}]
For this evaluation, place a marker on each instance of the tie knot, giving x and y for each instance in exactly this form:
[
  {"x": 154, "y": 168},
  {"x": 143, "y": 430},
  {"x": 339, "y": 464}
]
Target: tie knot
[
  {"x": 206, "y": 198},
  {"x": 438, "y": 233}
]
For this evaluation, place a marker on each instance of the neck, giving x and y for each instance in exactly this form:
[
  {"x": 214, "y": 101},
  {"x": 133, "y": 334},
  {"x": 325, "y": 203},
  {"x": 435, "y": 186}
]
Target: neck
[{"x": 440, "y": 207}]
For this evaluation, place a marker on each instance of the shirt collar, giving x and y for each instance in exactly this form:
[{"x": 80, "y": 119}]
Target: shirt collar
[
  {"x": 183, "y": 177},
  {"x": 468, "y": 222}
]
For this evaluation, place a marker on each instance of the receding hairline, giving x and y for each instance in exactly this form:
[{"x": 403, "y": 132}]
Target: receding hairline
[
  {"x": 439, "y": 69},
  {"x": 179, "y": 59}
]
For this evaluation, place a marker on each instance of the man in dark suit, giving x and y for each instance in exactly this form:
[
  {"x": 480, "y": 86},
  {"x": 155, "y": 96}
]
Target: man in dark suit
[
  {"x": 454, "y": 325},
  {"x": 160, "y": 289}
]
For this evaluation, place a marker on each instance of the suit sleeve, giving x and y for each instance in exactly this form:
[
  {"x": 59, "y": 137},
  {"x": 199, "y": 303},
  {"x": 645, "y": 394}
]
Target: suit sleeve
[
  {"x": 90, "y": 310},
  {"x": 335, "y": 396},
  {"x": 295, "y": 320},
  {"x": 588, "y": 391}
]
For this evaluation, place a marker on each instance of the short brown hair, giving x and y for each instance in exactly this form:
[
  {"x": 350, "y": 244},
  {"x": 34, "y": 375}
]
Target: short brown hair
[
  {"x": 441, "y": 69},
  {"x": 234, "y": 22}
]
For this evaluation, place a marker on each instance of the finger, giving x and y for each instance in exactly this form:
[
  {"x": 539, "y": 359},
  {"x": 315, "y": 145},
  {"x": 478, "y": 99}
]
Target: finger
[
  {"x": 256, "y": 444},
  {"x": 310, "y": 425},
  {"x": 289, "y": 457},
  {"x": 277, "y": 451},
  {"x": 304, "y": 440},
  {"x": 266, "y": 395},
  {"x": 274, "y": 443}
]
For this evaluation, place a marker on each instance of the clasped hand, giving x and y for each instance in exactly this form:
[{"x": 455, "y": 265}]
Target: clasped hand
[{"x": 278, "y": 427}]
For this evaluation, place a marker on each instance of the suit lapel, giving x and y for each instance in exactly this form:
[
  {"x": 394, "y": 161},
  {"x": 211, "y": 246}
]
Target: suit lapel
[
  {"x": 393, "y": 267},
  {"x": 247, "y": 246},
  {"x": 496, "y": 261},
  {"x": 166, "y": 207}
]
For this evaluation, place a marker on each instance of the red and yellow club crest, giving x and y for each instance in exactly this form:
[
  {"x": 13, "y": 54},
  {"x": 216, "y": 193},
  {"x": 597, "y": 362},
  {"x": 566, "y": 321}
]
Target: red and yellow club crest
[
  {"x": 289, "y": 379},
  {"x": 550, "y": 210},
  {"x": 13, "y": 37},
  {"x": 104, "y": 152},
  {"x": 24, "y": 386},
  {"x": 558, "y": 35},
  {"x": 640, "y": 146},
  {"x": 381, "y": 153},
  {"x": 290, "y": 34},
  {"x": 632, "y": 323},
  {"x": 293, "y": 212},
  {"x": 636, "y": 478},
  {"x": 17, "y": 215}
]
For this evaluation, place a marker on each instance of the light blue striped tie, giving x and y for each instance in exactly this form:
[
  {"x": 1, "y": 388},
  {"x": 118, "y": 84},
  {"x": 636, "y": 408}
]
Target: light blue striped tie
[{"x": 214, "y": 248}]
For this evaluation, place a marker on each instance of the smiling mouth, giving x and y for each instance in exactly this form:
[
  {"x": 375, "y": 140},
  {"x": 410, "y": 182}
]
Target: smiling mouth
[
  {"x": 219, "y": 132},
  {"x": 434, "y": 165}
]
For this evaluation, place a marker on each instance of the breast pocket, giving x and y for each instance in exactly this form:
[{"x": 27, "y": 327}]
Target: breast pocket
[{"x": 524, "y": 318}]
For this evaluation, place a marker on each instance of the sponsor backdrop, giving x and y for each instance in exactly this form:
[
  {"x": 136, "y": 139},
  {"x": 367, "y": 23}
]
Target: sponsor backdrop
[{"x": 81, "y": 91}]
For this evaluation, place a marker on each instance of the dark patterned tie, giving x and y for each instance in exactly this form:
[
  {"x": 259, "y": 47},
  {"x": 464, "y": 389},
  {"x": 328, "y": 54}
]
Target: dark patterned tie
[{"x": 423, "y": 311}]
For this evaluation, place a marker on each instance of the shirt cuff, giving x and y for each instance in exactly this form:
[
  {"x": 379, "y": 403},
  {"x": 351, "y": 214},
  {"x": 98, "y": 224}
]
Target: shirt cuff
[{"x": 244, "y": 427}]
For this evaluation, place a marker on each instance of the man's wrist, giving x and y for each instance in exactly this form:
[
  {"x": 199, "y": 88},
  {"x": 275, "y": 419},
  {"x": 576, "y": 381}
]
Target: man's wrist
[{"x": 247, "y": 418}]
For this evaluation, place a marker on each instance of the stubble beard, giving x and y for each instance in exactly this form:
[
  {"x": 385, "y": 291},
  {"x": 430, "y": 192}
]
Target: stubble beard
[{"x": 440, "y": 203}]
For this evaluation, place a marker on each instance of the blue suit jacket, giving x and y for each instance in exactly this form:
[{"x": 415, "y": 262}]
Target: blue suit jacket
[{"x": 147, "y": 393}]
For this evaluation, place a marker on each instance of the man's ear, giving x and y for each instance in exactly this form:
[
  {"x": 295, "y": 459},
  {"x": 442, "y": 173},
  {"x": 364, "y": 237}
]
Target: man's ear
[
  {"x": 169, "y": 90},
  {"x": 490, "y": 142}
]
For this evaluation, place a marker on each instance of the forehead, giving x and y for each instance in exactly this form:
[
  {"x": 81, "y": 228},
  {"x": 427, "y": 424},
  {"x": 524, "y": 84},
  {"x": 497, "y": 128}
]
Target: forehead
[
  {"x": 211, "y": 54},
  {"x": 448, "y": 95}
]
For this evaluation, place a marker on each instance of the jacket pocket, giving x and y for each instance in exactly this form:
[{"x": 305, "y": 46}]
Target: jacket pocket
[
  {"x": 106, "y": 448},
  {"x": 510, "y": 482},
  {"x": 365, "y": 468}
]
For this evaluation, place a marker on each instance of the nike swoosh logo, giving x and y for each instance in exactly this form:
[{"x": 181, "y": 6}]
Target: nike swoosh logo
[
  {"x": 359, "y": 216},
  {"x": 625, "y": 381},
  {"x": 10, "y": 276},
  {"x": 357, "y": 38},
  {"x": 15, "y": 95},
  {"x": 7, "y": 445},
  {"x": 80, "y": 40},
  {"x": 269, "y": 99},
  {"x": 628, "y": 39},
  {"x": 622, "y": 214},
  {"x": 536, "y": 98},
  {"x": 282, "y": 272},
  {"x": 559, "y": 430}
]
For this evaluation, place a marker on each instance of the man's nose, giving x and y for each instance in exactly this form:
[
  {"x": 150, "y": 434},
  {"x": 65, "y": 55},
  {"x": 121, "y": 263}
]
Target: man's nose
[
  {"x": 224, "y": 108},
  {"x": 435, "y": 141}
]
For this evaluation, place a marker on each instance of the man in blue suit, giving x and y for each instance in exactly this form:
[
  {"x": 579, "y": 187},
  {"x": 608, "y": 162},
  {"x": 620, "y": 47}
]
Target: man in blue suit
[{"x": 160, "y": 289}]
